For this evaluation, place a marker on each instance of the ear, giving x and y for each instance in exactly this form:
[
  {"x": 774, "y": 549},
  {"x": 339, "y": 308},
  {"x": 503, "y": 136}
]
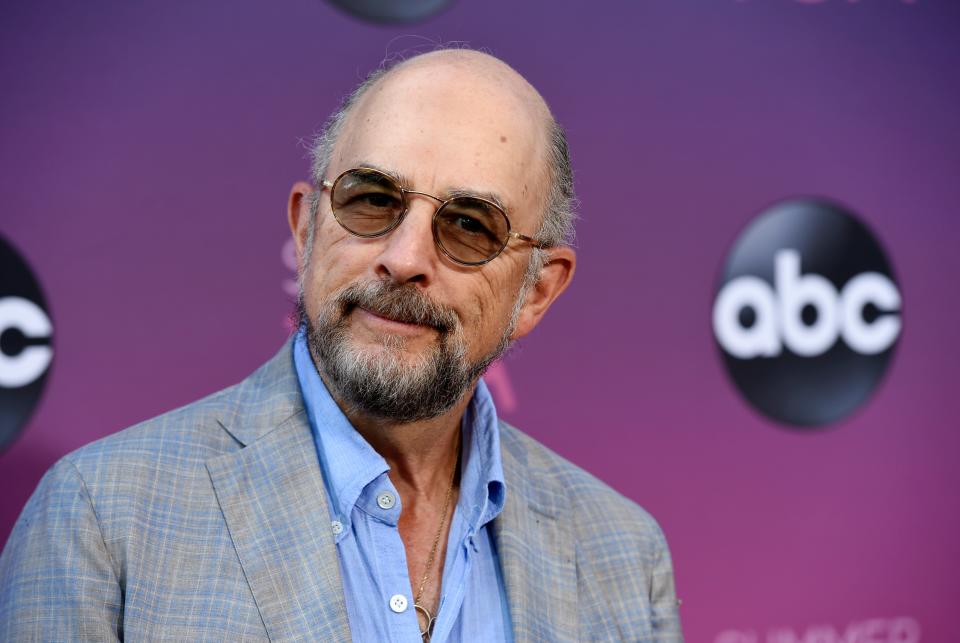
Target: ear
[
  {"x": 554, "y": 279},
  {"x": 298, "y": 215}
]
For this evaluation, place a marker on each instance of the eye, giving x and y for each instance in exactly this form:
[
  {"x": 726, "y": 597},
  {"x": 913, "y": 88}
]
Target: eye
[
  {"x": 376, "y": 200},
  {"x": 370, "y": 204},
  {"x": 366, "y": 193},
  {"x": 469, "y": 224},
  {"x": 470, "y": 230},
  {"x": 370, "y": 198}
]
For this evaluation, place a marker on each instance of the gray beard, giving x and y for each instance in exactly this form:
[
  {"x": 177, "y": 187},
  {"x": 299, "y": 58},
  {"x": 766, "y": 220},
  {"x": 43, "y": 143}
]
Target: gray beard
[{"x": 381, "y": 381}]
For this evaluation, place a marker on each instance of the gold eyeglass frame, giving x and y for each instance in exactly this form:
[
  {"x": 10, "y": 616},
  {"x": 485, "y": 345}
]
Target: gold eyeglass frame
[{"x": 331, "y": 185}]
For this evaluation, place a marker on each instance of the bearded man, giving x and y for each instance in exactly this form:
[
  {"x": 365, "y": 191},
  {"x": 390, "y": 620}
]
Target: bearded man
[{"x": 359, "y": 485}]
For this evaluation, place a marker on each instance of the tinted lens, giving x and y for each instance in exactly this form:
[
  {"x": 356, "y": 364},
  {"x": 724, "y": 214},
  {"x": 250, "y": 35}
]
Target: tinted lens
[
  {"x": 366, "y": 203},
  {"x": 471, "y": 230}
]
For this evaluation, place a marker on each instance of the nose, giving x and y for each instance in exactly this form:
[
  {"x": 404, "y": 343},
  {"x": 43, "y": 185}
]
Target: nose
[{"x": 409, "y": 254}]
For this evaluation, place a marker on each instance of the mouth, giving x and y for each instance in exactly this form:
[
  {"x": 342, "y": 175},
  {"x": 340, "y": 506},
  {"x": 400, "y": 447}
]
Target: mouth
[
  {"x": 378, "y": 322},
  {"x": 384, "y": 309}
]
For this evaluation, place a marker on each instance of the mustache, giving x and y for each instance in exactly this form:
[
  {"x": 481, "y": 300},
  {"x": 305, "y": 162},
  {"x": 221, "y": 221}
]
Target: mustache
[{"x": 398, "y": 302}]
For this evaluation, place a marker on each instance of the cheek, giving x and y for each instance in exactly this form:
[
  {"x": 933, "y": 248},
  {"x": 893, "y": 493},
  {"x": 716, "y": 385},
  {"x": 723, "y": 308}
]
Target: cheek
[
  {"x": 336, "y": 250},
  {"x": 334, "y": 262},
  {"x": 493, "y": 300}
]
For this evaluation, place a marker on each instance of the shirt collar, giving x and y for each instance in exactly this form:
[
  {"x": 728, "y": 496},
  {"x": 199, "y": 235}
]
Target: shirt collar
[
  {"x": 349, "y": 463},
  {"x": 482, "y": 490}
]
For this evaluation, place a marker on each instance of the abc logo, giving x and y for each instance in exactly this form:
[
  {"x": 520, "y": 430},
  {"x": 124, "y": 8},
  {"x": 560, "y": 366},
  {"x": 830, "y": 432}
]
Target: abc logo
[
  {"x": 25, "y": 349},
  {"x": 807, "y": 312}
]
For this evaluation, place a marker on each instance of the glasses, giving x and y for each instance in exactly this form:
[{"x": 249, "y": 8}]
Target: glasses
[{"x": 470, "y": 230}]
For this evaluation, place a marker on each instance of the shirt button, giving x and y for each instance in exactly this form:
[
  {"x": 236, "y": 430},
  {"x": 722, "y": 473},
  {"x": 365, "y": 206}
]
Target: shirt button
[
  {"x": 398, "y": 603},
  {"x": 386, "y": 501},
  {"x": 337, "y": 527}
]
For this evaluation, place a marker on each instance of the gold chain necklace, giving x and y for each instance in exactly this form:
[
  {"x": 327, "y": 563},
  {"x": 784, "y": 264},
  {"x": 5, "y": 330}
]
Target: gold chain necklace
[{"x": 426, "y": 620}]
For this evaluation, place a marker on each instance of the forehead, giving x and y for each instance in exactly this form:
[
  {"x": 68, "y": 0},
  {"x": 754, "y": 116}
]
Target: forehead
[{"x": 449, "y": 127}]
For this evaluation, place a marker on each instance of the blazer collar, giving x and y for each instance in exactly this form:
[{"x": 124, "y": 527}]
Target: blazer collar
[
  {"x": 266, "y": 399},
  {"x": 272, "y": 496},
  {"x": 536, "y": 545}
]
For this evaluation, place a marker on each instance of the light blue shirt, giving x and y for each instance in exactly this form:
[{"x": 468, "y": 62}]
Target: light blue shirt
[{"x": 365, "y": 508}]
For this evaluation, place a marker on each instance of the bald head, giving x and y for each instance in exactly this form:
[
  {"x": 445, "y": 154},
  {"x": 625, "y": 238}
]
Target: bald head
[
  {"x": 465, "y": 94},
  {"x": 473, "y": 72}
]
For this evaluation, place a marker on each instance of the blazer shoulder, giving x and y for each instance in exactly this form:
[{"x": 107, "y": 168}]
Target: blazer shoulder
[
  {"x": 220, "y": 422},
  {"x": 181, "y": 437},
  {"x": 624, "y": 566},
  {"x": 157, "y": 460},
  {"x": 599, "y": 512},
  {"x": 161, "y": 463}
]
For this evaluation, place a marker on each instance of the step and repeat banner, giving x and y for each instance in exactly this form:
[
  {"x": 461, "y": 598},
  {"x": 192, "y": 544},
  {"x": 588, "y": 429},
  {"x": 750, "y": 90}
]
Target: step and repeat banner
[{"x": 760, "y": 343}]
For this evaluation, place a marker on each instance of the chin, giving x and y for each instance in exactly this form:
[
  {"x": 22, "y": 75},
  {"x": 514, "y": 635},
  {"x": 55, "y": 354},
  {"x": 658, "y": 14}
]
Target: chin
[{"x": 388, "y": 350}]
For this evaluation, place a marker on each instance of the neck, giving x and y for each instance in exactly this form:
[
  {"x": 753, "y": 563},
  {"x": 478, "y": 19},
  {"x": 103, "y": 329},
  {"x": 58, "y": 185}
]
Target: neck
[{"x": 422, "y": 454}]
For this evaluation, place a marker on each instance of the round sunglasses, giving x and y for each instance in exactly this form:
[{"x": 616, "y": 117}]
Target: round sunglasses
[{"x": 470, "y": 230}]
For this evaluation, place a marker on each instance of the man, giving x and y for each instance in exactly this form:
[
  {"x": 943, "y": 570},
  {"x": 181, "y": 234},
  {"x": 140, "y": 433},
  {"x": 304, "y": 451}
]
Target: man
[{"x": 359, "y": 485}]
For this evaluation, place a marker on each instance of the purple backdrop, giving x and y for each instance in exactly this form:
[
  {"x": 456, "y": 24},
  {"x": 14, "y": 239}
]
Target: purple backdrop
[{"x": 147, "y": 153}]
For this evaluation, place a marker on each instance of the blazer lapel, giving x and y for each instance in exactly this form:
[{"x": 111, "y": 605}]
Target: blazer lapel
[
  {"x": 272, "y": 496},
  {"x": 536, "y": 549}
]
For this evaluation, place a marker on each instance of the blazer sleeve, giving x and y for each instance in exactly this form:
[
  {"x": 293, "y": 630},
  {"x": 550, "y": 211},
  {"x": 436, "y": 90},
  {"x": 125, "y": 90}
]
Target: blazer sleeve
[{"x": 57, "y": 580}]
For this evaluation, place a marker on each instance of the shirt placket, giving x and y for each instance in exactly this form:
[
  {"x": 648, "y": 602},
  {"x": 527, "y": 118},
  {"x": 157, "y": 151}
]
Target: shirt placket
[
  {"x": 381, "y": 503},
  {"x": 456, "y": 572}
]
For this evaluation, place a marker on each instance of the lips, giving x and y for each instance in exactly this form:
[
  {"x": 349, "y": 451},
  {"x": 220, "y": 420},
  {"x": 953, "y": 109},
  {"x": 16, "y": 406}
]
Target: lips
[
  {"x": 381, "y": 324},
  {"x": 401, "y": 305},
  {"x": 392, "y": 318}
]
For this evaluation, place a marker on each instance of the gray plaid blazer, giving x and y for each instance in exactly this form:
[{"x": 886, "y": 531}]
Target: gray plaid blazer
[{"x": 211, "y": 523}]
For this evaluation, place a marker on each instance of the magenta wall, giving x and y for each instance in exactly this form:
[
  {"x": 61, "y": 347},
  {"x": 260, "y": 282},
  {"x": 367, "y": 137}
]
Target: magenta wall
[{"x": 147, "y": 151}]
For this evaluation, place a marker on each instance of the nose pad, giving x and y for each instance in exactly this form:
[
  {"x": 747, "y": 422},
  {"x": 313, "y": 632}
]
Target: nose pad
[{"x": 409, "y": 254}]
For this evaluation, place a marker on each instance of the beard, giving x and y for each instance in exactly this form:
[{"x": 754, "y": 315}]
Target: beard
[{"x": 386, "y": 380}]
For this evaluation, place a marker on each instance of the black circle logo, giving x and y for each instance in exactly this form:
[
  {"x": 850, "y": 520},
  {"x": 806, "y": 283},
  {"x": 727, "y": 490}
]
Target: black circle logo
[
  {"x": 25, "y": 342},
  {"x": 807, "y": 312},
  {"x": 392, "y": 11}
]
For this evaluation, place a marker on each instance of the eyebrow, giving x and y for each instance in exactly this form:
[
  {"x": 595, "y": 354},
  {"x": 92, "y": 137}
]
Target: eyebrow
[
  {"x": 399, "y": 178},
  {"x": 489, "y": 196},
  {"x": 451, "y": 193}
]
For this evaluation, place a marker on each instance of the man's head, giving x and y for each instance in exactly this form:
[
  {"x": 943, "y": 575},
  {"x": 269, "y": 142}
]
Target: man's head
[{"x": 398, "y": 329}]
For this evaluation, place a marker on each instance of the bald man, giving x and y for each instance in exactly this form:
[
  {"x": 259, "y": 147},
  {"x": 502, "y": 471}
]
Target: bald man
[{"x": 359, "y": 485}]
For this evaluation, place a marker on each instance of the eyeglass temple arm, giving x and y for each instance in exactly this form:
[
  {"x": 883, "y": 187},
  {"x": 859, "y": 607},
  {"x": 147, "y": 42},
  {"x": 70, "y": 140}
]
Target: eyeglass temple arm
[{"x": 530, "y": 240}]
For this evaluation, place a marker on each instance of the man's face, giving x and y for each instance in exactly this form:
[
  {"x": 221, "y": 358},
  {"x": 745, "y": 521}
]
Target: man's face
[{"x": 400, "y": 330}]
